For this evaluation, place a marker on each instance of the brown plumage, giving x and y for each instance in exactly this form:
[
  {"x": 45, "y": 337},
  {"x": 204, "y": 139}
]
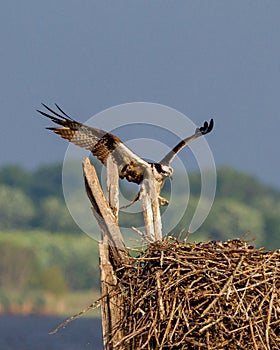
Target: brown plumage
[{"x": 101, "y": 144}]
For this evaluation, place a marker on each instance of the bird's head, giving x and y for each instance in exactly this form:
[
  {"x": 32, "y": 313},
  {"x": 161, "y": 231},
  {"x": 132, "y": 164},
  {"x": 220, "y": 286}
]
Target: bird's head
[
  {"x": 166, "y": 170},
  {"x": 163, "y": 170}
]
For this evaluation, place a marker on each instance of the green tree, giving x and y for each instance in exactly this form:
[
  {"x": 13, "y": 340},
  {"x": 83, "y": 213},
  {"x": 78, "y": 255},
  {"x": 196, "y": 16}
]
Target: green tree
[
  {"x": 231, "y": 219},
  {"x": 52, "y": 279},
  {"x": 15, "y": 176},
  {"x": 80, "y": 271},
  {"x": 16, "y": 208},
  {"x": 242, "y": 187},
  {"x": 18, "y": 264},
  {"x": 46, "y": 181},
  {"x": 54, "y": 216}
]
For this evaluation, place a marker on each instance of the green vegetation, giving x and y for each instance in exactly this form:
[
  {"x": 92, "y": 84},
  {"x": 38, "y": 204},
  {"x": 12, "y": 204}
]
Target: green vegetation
[
  {"x": 34, "y": 201},
  {"x": 260, "y": 204},
  {"x": 39, "y": 271},
  {"x": 242, "y": 204},
  {"x": 16, "y": 208},
  {"x": 54, "y": 262},
  {"x": 39, "y": 265}
]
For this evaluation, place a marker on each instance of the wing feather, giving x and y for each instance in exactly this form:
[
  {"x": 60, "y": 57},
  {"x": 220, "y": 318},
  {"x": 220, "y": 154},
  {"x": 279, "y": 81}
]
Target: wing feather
[
  {"x": 99, "y": 142},
  {"x": 203, "y": 130}
]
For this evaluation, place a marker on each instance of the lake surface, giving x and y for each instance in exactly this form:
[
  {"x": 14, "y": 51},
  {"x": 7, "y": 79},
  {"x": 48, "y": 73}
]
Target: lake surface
[{"x": 31, "y": 333}]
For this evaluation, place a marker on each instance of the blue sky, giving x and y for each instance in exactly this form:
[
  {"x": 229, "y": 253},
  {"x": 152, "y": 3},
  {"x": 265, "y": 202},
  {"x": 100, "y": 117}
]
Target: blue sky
[{"x": 203, "y": 58}]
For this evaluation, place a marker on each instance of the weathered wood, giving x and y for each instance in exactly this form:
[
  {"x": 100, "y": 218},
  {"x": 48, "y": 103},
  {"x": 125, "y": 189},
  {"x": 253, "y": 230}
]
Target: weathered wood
[
  {"x": 105, "y": 270},
  {"x": 112, "y": 250},
  {"x": 150, "y": 204},
  {"x": 155, "y": 190},
  {"x": 113, "y": 185},
  {"x": 102, "y": 211},
  {"x": 147, "y": 211},
  {"x": 111, "y": 303}
]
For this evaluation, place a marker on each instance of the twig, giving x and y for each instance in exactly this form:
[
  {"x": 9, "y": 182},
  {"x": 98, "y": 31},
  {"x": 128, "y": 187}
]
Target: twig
[{"x": 63, "y": 324}]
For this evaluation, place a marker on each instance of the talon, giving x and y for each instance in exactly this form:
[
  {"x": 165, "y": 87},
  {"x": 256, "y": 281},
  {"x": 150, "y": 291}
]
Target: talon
[{"x": 163, "y": 201}]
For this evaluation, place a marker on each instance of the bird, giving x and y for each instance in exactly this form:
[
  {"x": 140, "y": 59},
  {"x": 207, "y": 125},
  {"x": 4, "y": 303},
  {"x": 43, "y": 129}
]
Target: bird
[{"x": 101, "y": 144}]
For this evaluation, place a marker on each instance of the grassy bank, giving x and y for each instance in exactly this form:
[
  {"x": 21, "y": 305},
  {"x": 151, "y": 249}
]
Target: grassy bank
[
  {"x": 34, "y": 302},
  {"x": 47, "y": 273}
]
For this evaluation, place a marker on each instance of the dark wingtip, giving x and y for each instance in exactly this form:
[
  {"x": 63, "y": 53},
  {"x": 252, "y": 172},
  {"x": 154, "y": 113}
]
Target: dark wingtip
[
  {"x": 56, "y": 117},
  {"x": 44, "y": 114},
  {"x": 211, "y": 124},
  {"x": 60, "y": 109},
  {"x": 44, "y": 105},
  {"x": 207, "y": 127}
]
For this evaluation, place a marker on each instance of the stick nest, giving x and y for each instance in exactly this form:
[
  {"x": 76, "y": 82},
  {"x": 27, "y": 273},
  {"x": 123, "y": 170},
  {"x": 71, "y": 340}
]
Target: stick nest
[{"x": 214, "y": 295}]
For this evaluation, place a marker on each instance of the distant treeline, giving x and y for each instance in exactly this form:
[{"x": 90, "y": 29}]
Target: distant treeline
[
  {"x": 56, "y": 263},
  {"x": 34, "y": 200},
  {"x": 45, "y": 273}
]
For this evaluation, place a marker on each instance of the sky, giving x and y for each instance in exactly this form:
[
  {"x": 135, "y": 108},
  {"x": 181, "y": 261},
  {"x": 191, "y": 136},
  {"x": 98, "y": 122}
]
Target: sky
[{"x": 205, "y": 59}]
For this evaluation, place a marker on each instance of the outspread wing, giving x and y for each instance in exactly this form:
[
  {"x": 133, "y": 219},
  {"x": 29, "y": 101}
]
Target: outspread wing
[
  {"x": 203, "y": 130},
  {"x": 99, "y": 142}
]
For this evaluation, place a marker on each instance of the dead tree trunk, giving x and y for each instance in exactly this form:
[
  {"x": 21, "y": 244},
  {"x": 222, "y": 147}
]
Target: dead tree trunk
[
  {"x": 150, "y": 204},
  {"x": 112, "y": 250}
]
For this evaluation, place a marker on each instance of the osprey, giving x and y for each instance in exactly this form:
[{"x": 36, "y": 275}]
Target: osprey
[{"x": 102, "y": 144}]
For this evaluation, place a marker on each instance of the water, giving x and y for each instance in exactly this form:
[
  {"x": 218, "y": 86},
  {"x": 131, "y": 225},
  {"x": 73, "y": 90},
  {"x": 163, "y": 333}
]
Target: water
[{"x": 31, "y": 333}]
